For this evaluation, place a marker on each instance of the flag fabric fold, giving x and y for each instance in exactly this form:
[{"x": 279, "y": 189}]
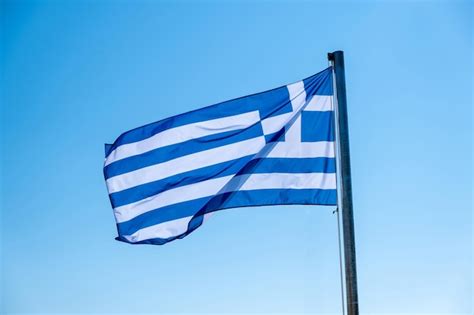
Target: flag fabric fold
[{"x": 270, "y": 148}]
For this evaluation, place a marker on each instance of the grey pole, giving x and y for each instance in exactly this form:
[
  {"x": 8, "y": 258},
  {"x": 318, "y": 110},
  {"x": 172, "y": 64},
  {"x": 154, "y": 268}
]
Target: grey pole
[{"x": 337, "y": 59}]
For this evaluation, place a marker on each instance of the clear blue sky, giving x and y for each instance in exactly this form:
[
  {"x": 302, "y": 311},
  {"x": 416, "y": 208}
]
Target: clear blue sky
[{"x": 75, "y": 74}]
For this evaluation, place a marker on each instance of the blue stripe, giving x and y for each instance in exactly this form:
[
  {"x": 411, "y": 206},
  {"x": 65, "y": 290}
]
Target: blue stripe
[
  {"x": 317, "y": 126},
  {"x": 107, "y": 148},
  {"x": 269, "y": 103},
  {"x": 229, "y": 200},
  {"x": 290, "y": 165},
  {"x": 170, "y": 152},
  {"x": 276, "y": 136}
]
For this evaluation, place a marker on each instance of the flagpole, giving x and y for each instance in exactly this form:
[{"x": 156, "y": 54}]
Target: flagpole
[{"x": 352, "y": 303}]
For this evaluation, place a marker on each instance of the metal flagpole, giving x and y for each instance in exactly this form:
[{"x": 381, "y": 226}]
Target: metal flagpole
[{"x": 337, "y": 60}]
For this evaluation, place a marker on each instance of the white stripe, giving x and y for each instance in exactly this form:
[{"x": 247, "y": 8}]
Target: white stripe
[
  {"x": 298, "y": 99},
  {"x": 293, "y": 134},
  {"x": 179, "y": 194},
  {"x": 184, "y": 133},
  {"x": 185, "y": 163},
  {"x": 320, "y": 103},
  {"x": 225, "y": 184},
  {"x": 297, "y": 95},
  {"x": 275, "y": 123},
  {"x": 289, "y": 181},
  {"x": 302, "y": 150},
  {"x": 163, "y": 230}
]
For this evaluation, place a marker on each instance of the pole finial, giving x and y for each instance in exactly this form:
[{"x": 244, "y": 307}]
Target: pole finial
[{"x": 332, "y": 55}]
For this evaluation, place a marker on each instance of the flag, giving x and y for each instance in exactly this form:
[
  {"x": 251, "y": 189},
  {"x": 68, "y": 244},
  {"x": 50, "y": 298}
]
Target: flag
[{"x": 270, "y": 148}]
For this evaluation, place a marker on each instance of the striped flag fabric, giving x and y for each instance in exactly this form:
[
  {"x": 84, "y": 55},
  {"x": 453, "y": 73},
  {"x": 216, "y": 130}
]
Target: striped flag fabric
[{"x": 270, "y": 148}]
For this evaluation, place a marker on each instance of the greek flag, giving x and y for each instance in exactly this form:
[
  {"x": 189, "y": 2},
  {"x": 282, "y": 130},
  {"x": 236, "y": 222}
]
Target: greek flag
[{"x": 271, "y": 148}]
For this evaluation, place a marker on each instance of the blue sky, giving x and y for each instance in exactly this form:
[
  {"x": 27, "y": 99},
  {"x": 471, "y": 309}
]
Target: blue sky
[{"x": 76, "y": 74}]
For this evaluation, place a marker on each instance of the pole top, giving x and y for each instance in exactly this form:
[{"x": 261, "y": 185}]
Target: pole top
[{"x": 332, "y": 56}]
